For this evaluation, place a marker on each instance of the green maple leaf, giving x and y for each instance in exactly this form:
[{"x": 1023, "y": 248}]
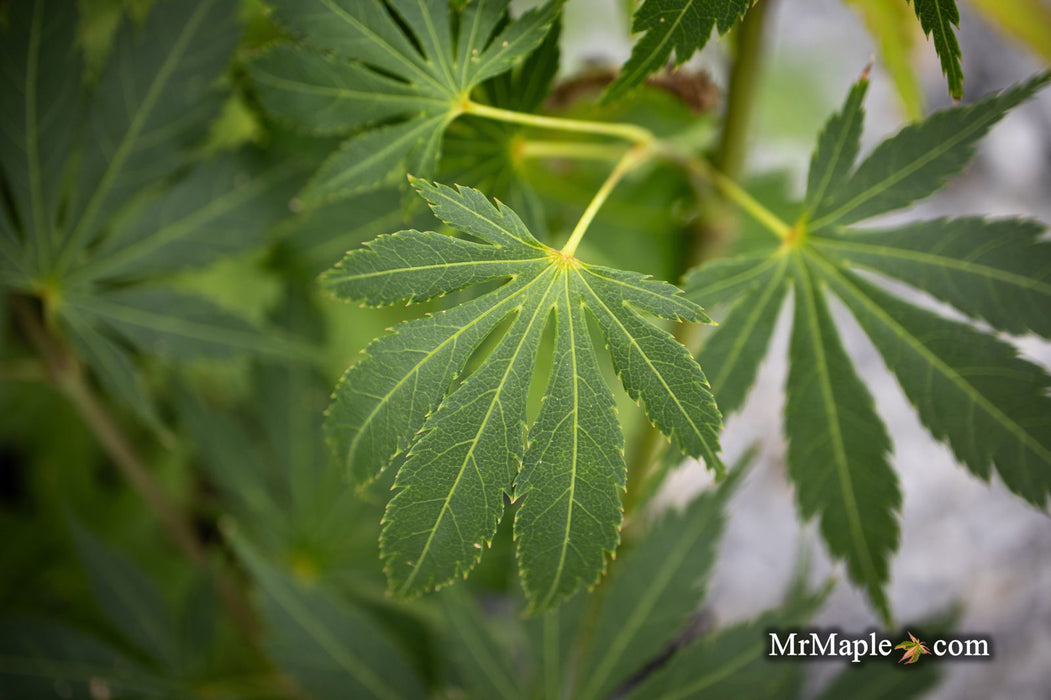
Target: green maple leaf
[
  {"x": 970, "y": 389},
  {"x": 913, "y": 649},
  {"x": 680, "y": 25},
  {"x": 938, "y": 17},
  {"x": 95, "y": 212},
  {"x": 395, "y": 77},
  {"x": 467, "y": 448}
]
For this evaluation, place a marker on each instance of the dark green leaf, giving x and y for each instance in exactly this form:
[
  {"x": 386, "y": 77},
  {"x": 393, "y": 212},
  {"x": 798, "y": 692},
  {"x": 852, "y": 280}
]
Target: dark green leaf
[
  {"x": 328, "y": 647},
  {"x": 154, "y": 99},
  {"x": 740, "y": 343},
  {"x": 838, "y": 448},
  {"x": 652, "y": 592},
  {"x": 680, "y": 25},
  {"x": 43, "y": 660},
  {"x": 938, "y": 17},
  {"x": 732, "y": 663},
  {"x": 481, "y": 658},
  {"x": 998, "y": 271},
  {"x": 969, "y": 388},
  {"x": 131, "y": 602},
  {"x": 221, "y": 207},
  {"x": 837, "y": 148},
  {"x": 165, "y": 322},
  {"x": 918, "y": 160},
  {"x": 377, "y": 75},
  {"x": 41, "y": 87}
]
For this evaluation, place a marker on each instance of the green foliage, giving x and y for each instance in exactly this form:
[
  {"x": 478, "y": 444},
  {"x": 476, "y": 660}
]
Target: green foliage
[
  {"x": 140, "y": 242},
  {"x": 363, "y": 67},
  {"x": 969, "y": 388},
  {"x": 464, "y": 452},
  {"x": 96, "y": 217},
  {"x": 938, "y": 17},
  {"x": 683, "y": 26}
]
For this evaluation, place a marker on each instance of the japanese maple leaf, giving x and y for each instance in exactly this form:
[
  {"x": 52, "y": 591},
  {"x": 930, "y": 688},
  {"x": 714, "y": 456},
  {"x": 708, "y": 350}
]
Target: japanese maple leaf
[{"x": 913, "y": 649}]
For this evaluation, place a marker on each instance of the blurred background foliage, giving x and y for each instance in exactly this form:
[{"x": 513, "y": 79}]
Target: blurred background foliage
[{"x": 288, "y": 599}]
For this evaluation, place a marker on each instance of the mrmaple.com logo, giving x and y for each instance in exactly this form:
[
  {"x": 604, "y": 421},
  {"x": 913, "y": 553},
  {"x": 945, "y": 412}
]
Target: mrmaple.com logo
[{"x": 834, "y": 644}]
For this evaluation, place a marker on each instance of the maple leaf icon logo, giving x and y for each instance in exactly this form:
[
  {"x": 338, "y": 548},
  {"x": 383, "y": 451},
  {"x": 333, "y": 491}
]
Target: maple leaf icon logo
[{"x": 913, "y": 649}]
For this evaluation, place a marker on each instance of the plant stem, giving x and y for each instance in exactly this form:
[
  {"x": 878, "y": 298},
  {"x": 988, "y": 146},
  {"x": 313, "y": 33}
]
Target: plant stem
[
  {"x": 740, "y": 94},
  {"x": 631, "y": 132},
  {"x": 627, "y": 162},
  {"x": 63, "y": 368},
  {"x": 65, "y": 372},
  {"x": 528, "y": 148}
]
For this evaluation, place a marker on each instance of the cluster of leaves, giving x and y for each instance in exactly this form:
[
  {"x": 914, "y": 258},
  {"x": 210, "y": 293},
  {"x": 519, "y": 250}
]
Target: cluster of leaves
[
  {"x": 461, "y": 448},
  {"x": 465, "y": 451},
  {"x": 969, "y": 388},
  {"x": 96, "y": 222},
  {"x": 394, "y": 75},
  {"x": 112, "y": 188}
]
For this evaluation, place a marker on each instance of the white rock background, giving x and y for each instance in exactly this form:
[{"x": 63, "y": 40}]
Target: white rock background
[{"x": 963, "y": 542}]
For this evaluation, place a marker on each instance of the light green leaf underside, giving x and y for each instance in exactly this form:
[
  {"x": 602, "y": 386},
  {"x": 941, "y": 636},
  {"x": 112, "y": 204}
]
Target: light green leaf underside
[
  {"x": 998, "y": 271},
  {"x": 838, "y": 447},
  {"x": 938, "y": 18},
  {"x": 327, "y": 647},
  {"x": 573, "y": 471},
  {"x": 918, "y": 160},
  {"x": 466, "y": 444},
  {"x": 683, "y": 26},
  {"x": 969, "y": 388},
  {"x": 399, "y": 81},
  {"x": 652, "y": 592}
]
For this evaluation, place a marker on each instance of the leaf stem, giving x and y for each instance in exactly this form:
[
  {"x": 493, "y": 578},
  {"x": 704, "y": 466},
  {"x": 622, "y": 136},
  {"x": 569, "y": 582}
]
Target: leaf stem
[
  {"x": 529, "y": 148},
  {"x": 631, "y": 159},
  {"x": 741, "y": 91},
  {"x": 734, "y": 192},
  {"x": 632, "y": 132}
]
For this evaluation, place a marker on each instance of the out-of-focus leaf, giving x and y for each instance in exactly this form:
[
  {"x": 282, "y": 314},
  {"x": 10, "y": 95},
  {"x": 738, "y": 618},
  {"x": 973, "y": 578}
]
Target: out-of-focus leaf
[
  {"x": 154, "y": 100},
  {"x": 652, "y": 592},
  {"x": 366, "y": 64},
  {"x": 41, "y": 87},
  {"x": 222, "y": 206},
  {"x": 165, "y": 322},
  {"x": 39, "y": 661},
  {"x": 1028, "y": 20},
  {"x": 731, "y": 663},
  {"x": 329, "y": 648},
  {"x": 481, "y": 659},
  {"x": 130, "y": 600}
]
